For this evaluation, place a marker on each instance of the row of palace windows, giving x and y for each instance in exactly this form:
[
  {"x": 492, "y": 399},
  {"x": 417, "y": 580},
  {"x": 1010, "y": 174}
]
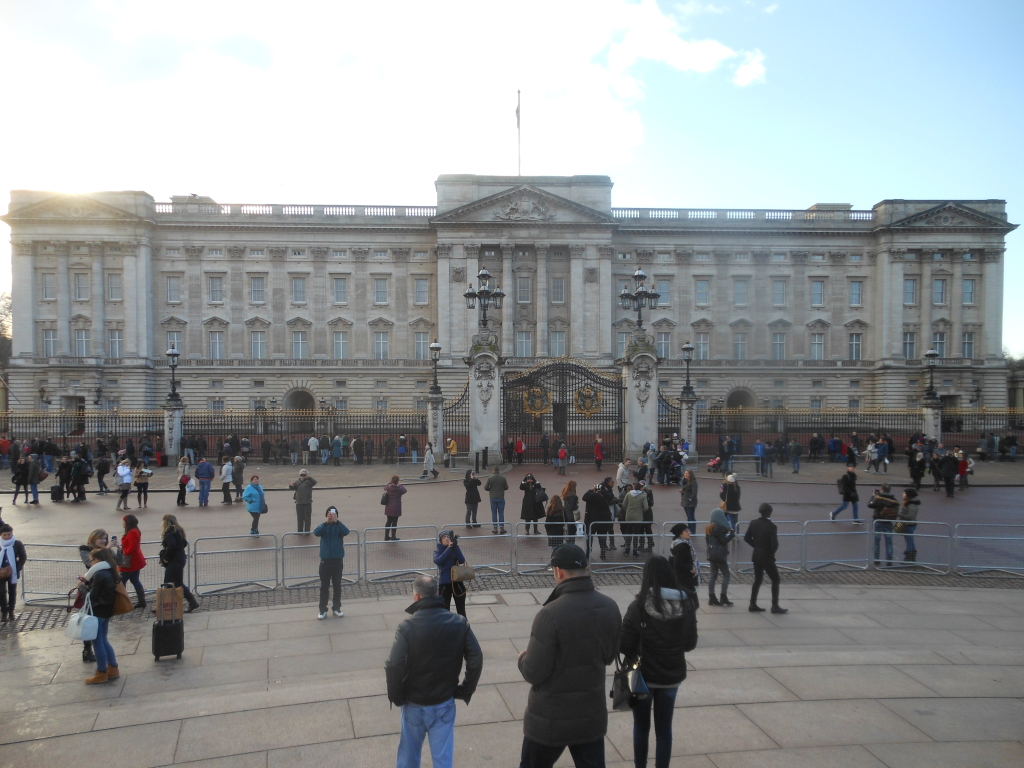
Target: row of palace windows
[
  {"x": 300, "y": 350},
  {"x": 216, "y": 290}
]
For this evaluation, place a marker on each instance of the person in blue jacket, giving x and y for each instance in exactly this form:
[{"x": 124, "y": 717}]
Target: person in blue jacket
[
  {"x": 332, "y": 533},
  {"x": 447, "y": 555},
  {"x": 255, "y": 502}
]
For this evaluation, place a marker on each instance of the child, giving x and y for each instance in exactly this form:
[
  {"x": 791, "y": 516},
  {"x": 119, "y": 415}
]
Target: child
[{"x": 12, "y": 563}]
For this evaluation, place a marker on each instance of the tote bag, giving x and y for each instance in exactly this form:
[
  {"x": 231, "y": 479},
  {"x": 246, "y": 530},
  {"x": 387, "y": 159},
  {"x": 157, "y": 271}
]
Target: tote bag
[{"x": 83, "y": 625}]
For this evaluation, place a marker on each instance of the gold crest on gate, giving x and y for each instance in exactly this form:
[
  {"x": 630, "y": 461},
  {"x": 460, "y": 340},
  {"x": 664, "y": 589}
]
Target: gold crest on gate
[
  {"x": 536, "y": 401},
  {"x": 588, "y": 401}
]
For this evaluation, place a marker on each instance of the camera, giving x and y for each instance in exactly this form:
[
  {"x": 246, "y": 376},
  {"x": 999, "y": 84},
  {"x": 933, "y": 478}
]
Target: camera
[{"x": 455, "y": 539}]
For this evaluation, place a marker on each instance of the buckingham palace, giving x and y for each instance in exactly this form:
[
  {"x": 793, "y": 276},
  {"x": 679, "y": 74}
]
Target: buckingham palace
[{"x": 822, "y": 307}]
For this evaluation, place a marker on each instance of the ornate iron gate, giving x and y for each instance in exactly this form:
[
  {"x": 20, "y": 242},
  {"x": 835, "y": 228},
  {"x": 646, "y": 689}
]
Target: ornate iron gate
[
  {"x": 669, "y": 415},
  {"x": 456, "y": 419},
  {"x": 568, "y": 401}
]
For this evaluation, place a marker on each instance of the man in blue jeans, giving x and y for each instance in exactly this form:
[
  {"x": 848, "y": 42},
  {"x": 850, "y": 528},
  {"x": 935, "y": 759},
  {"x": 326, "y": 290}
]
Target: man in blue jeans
[
  {"x": 204, "y": 474},
  {"x": 423, "y": 675},
  {"x": 496, "y": 486}
]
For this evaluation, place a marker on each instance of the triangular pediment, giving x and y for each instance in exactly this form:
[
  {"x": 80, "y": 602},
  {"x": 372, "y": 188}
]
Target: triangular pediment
[
  {"x": 421, "y": 324},
  {"x": 664, "y": 324},
  {"x": 257, "y": 321},
  {"x": 173, "y": 320},
  {"x": 69, "y": 208},
  {"x": 623, "y": 323},
  {"x": 380, "y": 322},
  {"x": 780, "y": 324},
  {"x": 952, "y": 215},
  {"x": 215, "y": 321},
  {"x": 523, "y": 204},
  {"x": 298, "y": 322},
  {"x": 340, "y": 321}
]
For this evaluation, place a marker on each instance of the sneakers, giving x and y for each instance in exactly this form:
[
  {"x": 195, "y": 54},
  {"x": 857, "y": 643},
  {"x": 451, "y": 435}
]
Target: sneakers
[
  {"x": 339, "y": 614},
  {"x": 832, "y": 517},
  {"x": 322, "y": 615}
]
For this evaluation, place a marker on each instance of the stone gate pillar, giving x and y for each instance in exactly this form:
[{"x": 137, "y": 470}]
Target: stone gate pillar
[
  {"x": 931, "y": 415},
  {"x": 485, "y": 361},
  {"x": 688, "y": 423},
  {"x": 640, "y": 381},
  {"x": 435, "y": 428},
  {"x": 174, "y": 414}
]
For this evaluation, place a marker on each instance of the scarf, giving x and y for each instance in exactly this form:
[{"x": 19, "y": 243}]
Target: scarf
[{"x": 7, "y": 558}]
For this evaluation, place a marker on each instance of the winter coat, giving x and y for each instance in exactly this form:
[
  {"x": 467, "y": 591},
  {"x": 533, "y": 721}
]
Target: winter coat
[
  {"x": 444, "y": 559},
  {"x": 303, "y": 490},
  {"x": 848, "y": 487},
  {"x": 532, "y": 508},
  {"x": 394, "y": 506},
  {"x": 574, "y": 638},
  {"x": 621, "y": 476},
  {"x": 173, "y": 548},
  {"x": 731, "y": 496},
  {"x": 571, "y": 504},
  {"x": 717, "y": 538},
  {"x": 428, "y": 460},
  {"x": 131, "y": 546},
  {"x": 496, "y": 486},
  {"x": 254, "y": 497},
  {"x": 660, "y": 638},
  {"x": 763, "y": 535},
  {"x": 102, "y": 587},
  {"x": 226, "y": 472},
  {"x": 472, "y": 486},
  {"x": 688, "y": 493},
  {"x": 909, "y": 510},
  {"x": 332, "y": 540},
  {"x": 634, "y": 505},
  {"x": 597, "y": 509},
  {"x": 205, "y": 471},
  {"x": 883, "y": 506},
  {"x": 684, "y": 563},
  {"x": 33, "y": 472},
  {"x": 948, "y": 466}
]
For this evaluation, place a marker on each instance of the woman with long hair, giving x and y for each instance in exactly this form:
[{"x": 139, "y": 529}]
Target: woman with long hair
[
  {"x": 226, "y": 473},
  {"x": 554, "y": 521},
  {"x": 717, "y": 535},
  {"x": 97, "y": 539},
  {"x": 688, "y": 497},
  {"x": 571, "y": 503},
  {"x": 124, "y": 483},
  {"x": 472, "y": 485},
  {"x": 393, "y": 508},
  {"x": 101, "y": 583},
  {"x": 19, "y": 476},
  {"x": 659, "y": 628},
  {"x": 173, "y": 557},
  {"x": 134, "y": 560},
  {"x": 141, "y": 477},
  {"x": 184, "y": 474}
]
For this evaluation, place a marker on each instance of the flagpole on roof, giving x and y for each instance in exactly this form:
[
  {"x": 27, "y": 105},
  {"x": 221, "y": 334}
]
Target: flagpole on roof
[{"x": 519, "y": 133}]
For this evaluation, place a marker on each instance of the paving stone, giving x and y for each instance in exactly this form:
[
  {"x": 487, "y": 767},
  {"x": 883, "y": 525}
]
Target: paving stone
[
  {"x": 516, "y": 697},
  {"x": 926, "y": 621},
  {"x": 1008, "y": 623},
  {"x": 791, "y": 637},
  {"x": 56, "y": 694},
  {"x": 717, "y": 638},
  {"x": 166, "y": 676},
  {"x": 46, "y": 722},
  {"x": 696, "y": 731},
  {"x": 309, "y": 625},
  {"x": 998, "y": 656},
  {"x": 961, "y": 608},
  {"x": 226, "y": 636},
  {"x": 719, "y": 619},
  {"x": 740, "y": 658},
  {"x": 266, "y": 649},
  {"x": 833, "y": 620},
  {"x": 265, "y": 729},
  {"x": 519, "y": 598},
  {"x": 25, "y": 677},
  {"x": 140, "y": 746},
  {"x": 866, "y": 682},
  {"x": 249, "y": 760},
  {"x": 374, "y": 715},
  {"x": 370, "y": 752},
  {"x": 992, "y": 638},
  {"x": 963, "y": 719},
  {"x": 830, "y": 723},
  {"x": 810, "y": 757},
  {"x": 1007, "y": 754},
  {"x": 972, "y": 680},
  {"x": 313, "y": 663},
  {"x": 730, "y": 686},
  {"x": 901, "y": 638}
]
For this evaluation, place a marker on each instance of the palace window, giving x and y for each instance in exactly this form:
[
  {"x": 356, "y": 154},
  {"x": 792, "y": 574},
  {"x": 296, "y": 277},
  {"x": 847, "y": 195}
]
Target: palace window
[
  {"x": 216, "y": 289},
  {"x": 258, "y": 344},
  {"x": 298, "y": 290},
  {"x": 340, "y": 346},
  {"x": 115, "y": 286},
  {"x": 739, "y": 346},
  {"x": 665, "y": 292},
  {"x": 174, "y": 340},
  {"x": 257, "y": 292},
  {"x": 856, "y": 293},
  {"x": 909, "y": 291},
  {"x": 702, "y": 342},
  {"x": 968, "y": 292},
  {"x": 523, "y": 291},
  {"x": 82, "y": 343},
  {"x": 556, "y": 344},
  {"x": 216, "y": 345},
  {"x": 620, "y": 345},
  {"x": 939, "y": 291},
  {"x": 299, "y": 345},
  {"x": 422, "y": 346},
  {"x": 856, "y": 342},
  {"x": 778, "y": 293},
  {"x": 48, "y": 284},
  {"x": 49, "y": 343},
  {"x": 703, "y": 291},
  {"x": 558, "y": 290},
  {"x": 524, "y": 344},
  {"x": 115, "y": 341},
  {"x": 739, "y": 292},
  {"x": 422, "y": 290},
  {"x": 909, "y": 345},
  {"x": 380, "y": 290},
  {"x": 778, "y": 346},
  {"x": 817, "y": 293},
  {"x": 939, "y": 342},
  {"x": 380, "y": 345},
  {"x": 663, "y": 344},
  {"x": 817, "y": 346},
  {"x": 80, "y": 286},
  {"x": 967, "y": 344},
  {"x": 341, "y": 290}
]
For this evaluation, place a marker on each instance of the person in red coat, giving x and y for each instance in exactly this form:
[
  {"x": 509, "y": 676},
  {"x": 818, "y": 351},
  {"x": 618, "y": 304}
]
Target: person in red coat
[
  {"x": 134, "y": 560},
  {"x": 598, "y": 452}
]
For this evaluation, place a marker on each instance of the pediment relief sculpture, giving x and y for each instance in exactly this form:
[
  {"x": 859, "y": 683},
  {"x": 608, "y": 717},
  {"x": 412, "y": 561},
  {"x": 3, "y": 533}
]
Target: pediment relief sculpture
[
  {"x": 703, "y": 325},
  {"x": 380, "y": 322},
  {"x": 664, "y": 324},
  {"x": 298, "y": 322},
  {"x": 941, "y": 323},
  {"x": 780, "y": 324},
  {"x": 173, "y": 321},
  {"x": 856, "y": 325},
  {"x": 523, "y": 204},
  {"x": 72, "y": 208},
  {"x": 524, "y": 208},
  {"x": 339, "y": 322},
  {"x": 819, "y": 324},
  {"x": 741, "y": 323},
  {"x": 953, "y": 216},
  {"x": 257, "y": 322},
  {"x": 421, "y": 324},
  {"x": 215, "y": 322}
]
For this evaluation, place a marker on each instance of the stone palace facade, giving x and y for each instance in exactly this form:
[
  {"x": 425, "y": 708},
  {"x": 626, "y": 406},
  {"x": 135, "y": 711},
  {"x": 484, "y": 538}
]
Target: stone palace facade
[{"x": 826, "y": 307}]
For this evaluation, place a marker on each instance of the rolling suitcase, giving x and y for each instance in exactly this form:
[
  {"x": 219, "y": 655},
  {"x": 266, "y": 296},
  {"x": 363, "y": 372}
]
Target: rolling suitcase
[
  {"x": 168, "y": 638},
  {"x": 56, "y": 493}
]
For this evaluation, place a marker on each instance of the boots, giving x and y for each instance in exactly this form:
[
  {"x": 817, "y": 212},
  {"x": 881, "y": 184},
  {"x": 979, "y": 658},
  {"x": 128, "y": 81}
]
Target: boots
[
  {"x": 99, "y": 677},
  {"x": 778, "y": 609},
  {"x": 88, "y": 655},
  {"x": 193, "y": 604},
  {"x": 912, "y": 557},
  {"x": 536, "y": 530},
  {"x": 140, "y": 598},
  {"x": 113, "y": 672},
  {"x": 754, "y": 608},
  {"x": 724, "y": 599},
  {"x": 712, "y": 600}
]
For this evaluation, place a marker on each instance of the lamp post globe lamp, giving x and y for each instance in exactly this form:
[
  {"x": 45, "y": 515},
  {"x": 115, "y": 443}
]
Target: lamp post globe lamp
[
  {"x": 435, "y": 357},
  {"x": 172, "y": 362},
  {"x": 688, "y": 350},
  {"x": 930, "y": 394}
]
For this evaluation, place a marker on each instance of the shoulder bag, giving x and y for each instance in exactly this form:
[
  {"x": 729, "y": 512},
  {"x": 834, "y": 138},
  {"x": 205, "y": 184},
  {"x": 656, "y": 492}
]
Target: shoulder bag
[
  {"x": 463, "y": 572},
  {"x": 122, "y": 602},
  {"x": 384, "y": 499},
  {"x": 263, "y": 504},
  {"x": 628, "y": 684},
  {"x": 83, "y": 625}
]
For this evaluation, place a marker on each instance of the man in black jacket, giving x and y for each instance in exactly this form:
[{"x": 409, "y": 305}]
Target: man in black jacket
[
  {"x": 763, "y": 535},
  {"x": 423, "y": 674},
  {"x": 575, "y": 636}
]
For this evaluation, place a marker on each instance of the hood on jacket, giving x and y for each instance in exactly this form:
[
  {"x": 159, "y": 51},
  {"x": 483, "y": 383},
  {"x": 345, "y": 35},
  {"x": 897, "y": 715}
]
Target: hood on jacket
[
  {"x": 718, "y": 516},
  {"x": 671, "y": 605},
  {"x": 637, "y": 492}
]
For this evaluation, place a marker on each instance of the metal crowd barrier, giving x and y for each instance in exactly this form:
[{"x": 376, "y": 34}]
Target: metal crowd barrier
[
  {"x": 251, "y": 563},
  {"x": 849, "y": 550},
  {"x": 152, "y": 576},
  {"x": 616, "y": 560},
  {"x": 490, "y": 554},
  {"x": 50, "y": 572},
  {"x": 531, "y": 551},
  {"x": 933, "y": 542},
  {"x": 789, "y": 557},
  {"x": 384, "y": 560},
  {"x": 300, "y": 562},
  {"x": 980, "y": 552}
]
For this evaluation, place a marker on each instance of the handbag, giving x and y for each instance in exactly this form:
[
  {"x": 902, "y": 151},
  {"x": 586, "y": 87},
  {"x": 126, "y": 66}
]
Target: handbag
[
  {"x": 83, "y": 625},
  {"x": 5, "y": 573},
  {"x": 263, "y": 504},
  {"x": 78, "y": 601},
  {"x": 628, "y": 684},
  {"x": 43, "y": 474},
  {"x": 463, "y": 572},
  {"x": 122, "y": 602},
  {"x": 384, "y": 499},
  {"x": 184, "y": 479}
]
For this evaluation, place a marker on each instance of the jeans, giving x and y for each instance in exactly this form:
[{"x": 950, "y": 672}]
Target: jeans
[
  {"x": 323, "y": 455},
  {"x": 760, "y": 569},
  {"x": 768, "y": 469},
  {"x": 664, "y": 702},
  {"x": 471, "y": 507},
  {"x": 330, "y": 576},
  {"x": 435, "y": 722},
  {"x": 795, "y": 461},
  {"x": 534, "y": 755},
  {"x": 204, "y": 491},
  {"x": 843, "y": 506},
  {"x": 133, "y": 577},
  {"x": 295, "y": 458},
  {"x": 883, "y": 528},
  {"x": 734, "y": 518},
  {"x": 101, "y": 646},
  {"x": 415, "y": 456},
  {"x": 691, "y": 515},
  {"x": 48, "y": 462},
  {"x": 719, "y": 566},
  {"x": 35, "y": 492},
  {"x": 908, "y": 537},
  {"x": 191, "y": 456},
  {"x": 498, "y": 513}
]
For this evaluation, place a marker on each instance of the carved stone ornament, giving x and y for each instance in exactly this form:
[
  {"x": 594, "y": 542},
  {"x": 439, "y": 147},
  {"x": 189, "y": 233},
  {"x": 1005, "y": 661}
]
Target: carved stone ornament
[
  {"x": 193, "y": 251},
  {"x": 401, "y": 254},
  {"x": 360, "y": 254},
  {"x": 524, "y": 209},
  {"x": 536, "y": 401},
  {"x": 24, "y": 247},
  {"x": 277, "y": 252},
  {"x": 319, "y": 253},
  {"x": 993, "y": 254},
  {"x": 60, "y": 247},
  {"x": 484, "y": 370},
  {"x": 761, "y": 257},
  {"x": 644, "y": 254},
  {"x": 588, "y": 401},
  {"x": 576, "y": 250},
  {"x": 590, "y": 274},
  {"x": 643, "y": 374},
  {"x": 236, "y": 251},
  {"x": 472, "y": 250},
  {"x": 443, "y": 250},
  {"x": 485, "y": 390},
  {"x": 605, "y": 251},
  {"x": 837, "y": 257},
  {"x": 458, "y": 274},
  {"x": 799, "y": 257}
]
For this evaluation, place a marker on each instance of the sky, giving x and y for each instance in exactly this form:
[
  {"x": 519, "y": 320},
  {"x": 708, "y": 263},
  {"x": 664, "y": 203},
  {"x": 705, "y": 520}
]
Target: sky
[{"x": 734, "y": 103}]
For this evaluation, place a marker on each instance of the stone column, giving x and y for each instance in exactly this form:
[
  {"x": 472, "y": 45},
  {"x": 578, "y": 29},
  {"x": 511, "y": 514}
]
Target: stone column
[
  {"x": 640, "y": 379},
  {"x": 931, "y": 416},
  {"x": 604, "y": 301},
  {"x": 25, "y": 336},
  {"x": 991, "y": 291},
  {"x": 174, "y": 413},
  {"x": 577, "y": 334},
  {"x": 98, "y": 302},
  {"x": 63, "y": 299},
  {"x": 507, "y": 309},
  {"x": 467, "y": 321},
  {"x": 542, "y": 299},
  {"x": 435, "y": 428},
  {"x": 444, "y": 296},
  {"x": 688, "y": 423},
  {"x": 485, "y": 398}
]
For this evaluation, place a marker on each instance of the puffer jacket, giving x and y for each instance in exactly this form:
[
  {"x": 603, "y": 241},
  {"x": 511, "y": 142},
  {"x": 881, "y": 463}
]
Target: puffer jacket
[
  {"x": 908, "y": 511},
  {"x": 444, "y": 559},
  {"x": 660, "y": 638},
  {"x": 427, "y": 656},
  {"x": 634, "y": 505},
  {"x": 574, "y": 638}
]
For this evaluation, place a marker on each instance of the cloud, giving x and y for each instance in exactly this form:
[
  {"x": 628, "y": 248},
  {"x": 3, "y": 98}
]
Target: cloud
[
  {"x": 769, "y": 9},
  {"x": 751, "y": 70}
]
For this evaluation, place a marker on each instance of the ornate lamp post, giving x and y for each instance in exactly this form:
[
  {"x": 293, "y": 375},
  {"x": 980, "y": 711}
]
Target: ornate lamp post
[
  {"x": 639, "y": 298},
  {"x": 930, "y": 395},
  {"x": 489, "y": 297},
  {"x": 689, "y": 399},
  {"x": 172, "y": 362},
  {"x": 435, "y": 357}
]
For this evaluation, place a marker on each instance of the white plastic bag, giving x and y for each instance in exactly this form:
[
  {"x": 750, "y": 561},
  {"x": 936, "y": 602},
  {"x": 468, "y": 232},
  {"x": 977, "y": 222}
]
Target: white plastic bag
[
  {"x": 190, "y": 486},
  {"x": 83, "y": 625},
  {"x": 581, "y": 529}
]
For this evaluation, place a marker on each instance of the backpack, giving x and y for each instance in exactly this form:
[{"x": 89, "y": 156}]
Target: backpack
[{"x": 839, "y": 484}]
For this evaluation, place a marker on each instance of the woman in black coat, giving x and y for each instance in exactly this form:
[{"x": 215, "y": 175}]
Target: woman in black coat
[
  {"x": 101, "y": 582},
  {"x": 534, "y": 497},
  {"x": 472, "y": 484},
  {"x": 659, "y": 627},
  {"x": 173, "y": 557},
  {"x": 597, "y": 516}
]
